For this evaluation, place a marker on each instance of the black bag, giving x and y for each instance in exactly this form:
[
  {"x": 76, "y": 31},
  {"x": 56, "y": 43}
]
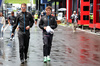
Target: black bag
[{"x": 72, "y": 19}]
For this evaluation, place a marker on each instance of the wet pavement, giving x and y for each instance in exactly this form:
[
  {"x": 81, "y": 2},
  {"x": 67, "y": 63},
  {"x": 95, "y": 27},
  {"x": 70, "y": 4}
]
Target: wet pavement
[{"x": 68, "y": 49}]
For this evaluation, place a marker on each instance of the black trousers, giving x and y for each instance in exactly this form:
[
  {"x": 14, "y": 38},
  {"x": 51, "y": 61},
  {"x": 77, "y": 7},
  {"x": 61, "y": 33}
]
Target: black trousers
[
  {"x": 23, "y": 44},
  {"x": 47, "y": 40},
  {"x": 91, "y": 20}
]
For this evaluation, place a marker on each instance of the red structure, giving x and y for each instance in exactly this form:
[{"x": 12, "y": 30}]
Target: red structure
[
  {"x": 84, "y": 8},
  {"x": 96, "y": 15},
  {"x": 84, "y": 12},
  {"x": 69, "y": 9}
]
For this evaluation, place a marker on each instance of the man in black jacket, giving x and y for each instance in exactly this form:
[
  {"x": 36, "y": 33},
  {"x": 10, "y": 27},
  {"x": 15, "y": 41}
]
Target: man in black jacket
[
  {"x": 11, "y": 20},
  {"x": 26, "y": 21},
  {"x": 47, "y": 24}
]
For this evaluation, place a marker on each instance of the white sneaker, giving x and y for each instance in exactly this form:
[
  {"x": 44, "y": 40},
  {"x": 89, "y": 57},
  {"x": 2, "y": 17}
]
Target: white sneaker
[
  {"x": 13, "y": 38},
  {"x": 48, "y": 58},
  {"x": 2, "y": 38},
  {"x": 45, "y": 59},
  {"x": 10, "y": 38}
]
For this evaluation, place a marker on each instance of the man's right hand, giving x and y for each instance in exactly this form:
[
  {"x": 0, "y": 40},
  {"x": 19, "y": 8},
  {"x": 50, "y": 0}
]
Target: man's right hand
[
  {"x": 12, "y": 34},
  {"x": 9, "y": 24},
  {"x": 45, "y": 28}
]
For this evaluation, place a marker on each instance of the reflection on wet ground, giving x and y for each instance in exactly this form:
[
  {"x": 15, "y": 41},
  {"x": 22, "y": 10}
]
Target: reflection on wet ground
[
  {"x": 68, "y": 49},
  {"x": 1, "y": 53}
]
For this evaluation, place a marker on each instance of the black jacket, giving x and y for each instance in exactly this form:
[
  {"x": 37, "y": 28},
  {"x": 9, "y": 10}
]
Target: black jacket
[
  {"x": 12, "y": 19},
  {"x": 44, "y": 22},
  {"x": 20, "y": 19}
]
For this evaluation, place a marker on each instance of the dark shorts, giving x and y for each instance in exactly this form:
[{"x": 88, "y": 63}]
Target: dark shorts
[
  {"x": 35, "y": 19},
  {"x": 91, "y": 20}
]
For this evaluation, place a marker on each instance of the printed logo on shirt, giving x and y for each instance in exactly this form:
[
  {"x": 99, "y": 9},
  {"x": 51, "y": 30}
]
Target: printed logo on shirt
[
  {"x": 51, "y": 18},
  {"x": 45, "y": 18},
  {"x": 26, "y": 15},
  {"x": 21, "y": 15}
]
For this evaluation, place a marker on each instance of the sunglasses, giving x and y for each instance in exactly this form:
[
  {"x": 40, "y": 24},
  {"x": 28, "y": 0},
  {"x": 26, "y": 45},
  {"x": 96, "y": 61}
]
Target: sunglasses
[{"x": 23, "y": 7}]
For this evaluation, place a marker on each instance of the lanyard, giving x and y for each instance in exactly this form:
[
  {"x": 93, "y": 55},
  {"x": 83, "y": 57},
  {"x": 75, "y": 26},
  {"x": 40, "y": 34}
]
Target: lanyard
[
  {"x": 48, "y": 20},
  {"x": 24, "y": 22}
]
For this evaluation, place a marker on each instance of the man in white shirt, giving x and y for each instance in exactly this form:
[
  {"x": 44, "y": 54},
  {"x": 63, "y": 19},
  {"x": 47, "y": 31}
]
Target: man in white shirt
[{"x": 74, "y": 18}]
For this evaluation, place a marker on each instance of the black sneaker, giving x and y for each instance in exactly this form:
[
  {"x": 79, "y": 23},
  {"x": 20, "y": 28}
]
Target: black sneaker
[
  {"x": 25, "y": 60},
  {"x": 22, "y": 61}
]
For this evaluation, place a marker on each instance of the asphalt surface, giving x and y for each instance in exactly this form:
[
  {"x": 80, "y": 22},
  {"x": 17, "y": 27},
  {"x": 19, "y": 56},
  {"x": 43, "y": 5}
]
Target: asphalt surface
[{"x": 68, "y": 49}]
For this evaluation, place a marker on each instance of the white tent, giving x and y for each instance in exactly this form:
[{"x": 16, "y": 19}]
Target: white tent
[{"x": 62, "y": 9}]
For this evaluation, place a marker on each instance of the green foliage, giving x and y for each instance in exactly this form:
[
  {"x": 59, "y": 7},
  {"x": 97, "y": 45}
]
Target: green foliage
[
  {"x": 34, "y": 1},
  {"x": 17, "y": 1}
]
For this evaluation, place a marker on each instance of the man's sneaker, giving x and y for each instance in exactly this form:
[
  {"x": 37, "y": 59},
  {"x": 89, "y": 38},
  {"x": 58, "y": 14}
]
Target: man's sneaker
[
  {"x": 22, "y": 61},
  {"x": 45, "y": 59},
  {"x": 25, "y": 60},
  {"x": 1, "y": 37},
  {"x": 48, "y": 58},
  {"x": 11, "y": 39}
]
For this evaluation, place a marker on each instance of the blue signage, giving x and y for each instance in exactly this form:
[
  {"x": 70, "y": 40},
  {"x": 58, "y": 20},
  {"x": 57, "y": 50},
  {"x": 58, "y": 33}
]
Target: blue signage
[
  {"x": 44, "y": 1},
  {"x": 41, "y": 1},
  {"x": 0, "y": 2}
]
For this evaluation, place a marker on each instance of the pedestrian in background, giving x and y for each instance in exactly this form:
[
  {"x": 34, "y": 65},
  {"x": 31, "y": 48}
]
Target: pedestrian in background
[
  {"x": 74, "y": 18},
  {"x": 47, "y": 24},
  {"x": 26, "y": 22},
  {"x": 2, "y": 25},
  {"x": 91, "y": 17},
  {"x": 11, "y": 21},
  {"x": 36, "y": 18},
  {"x": 41, "y": 15}
]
